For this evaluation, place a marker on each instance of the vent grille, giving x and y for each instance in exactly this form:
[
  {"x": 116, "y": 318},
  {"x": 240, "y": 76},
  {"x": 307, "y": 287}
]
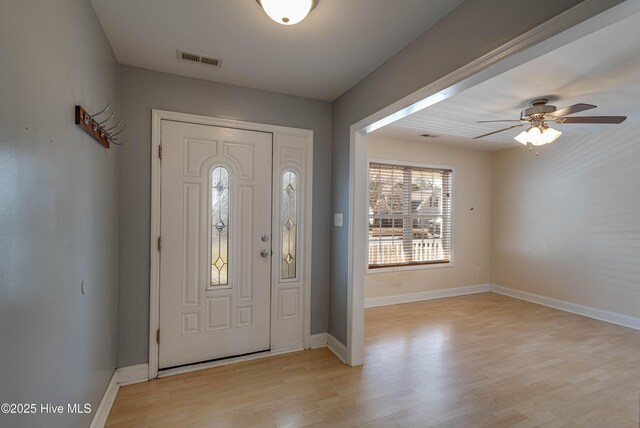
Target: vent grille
[
  {"x": 188, "y": 56},
  {"x": 210, "y": 61}
]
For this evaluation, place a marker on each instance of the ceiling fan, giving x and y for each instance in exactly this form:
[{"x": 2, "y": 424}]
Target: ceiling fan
[{"x": 539, "y": 133}]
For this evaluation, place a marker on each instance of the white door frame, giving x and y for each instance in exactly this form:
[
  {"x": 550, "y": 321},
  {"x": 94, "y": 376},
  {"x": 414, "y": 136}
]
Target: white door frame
[
  {"x": 279, "y": 132},
  {"x": 571, "y": 25}
]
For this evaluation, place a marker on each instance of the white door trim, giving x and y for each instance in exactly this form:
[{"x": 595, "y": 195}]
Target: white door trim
[
  {"x": 573, "y": 24},
  {"x": 157, "y": 116}
]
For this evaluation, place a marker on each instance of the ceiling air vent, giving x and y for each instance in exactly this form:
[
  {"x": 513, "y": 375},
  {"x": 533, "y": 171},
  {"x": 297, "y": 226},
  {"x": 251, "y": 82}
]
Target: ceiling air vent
[
  {"x": 211, "y": 61},
  {"x": 188, "y": 56},
  {"x": 428, "y": 136}
]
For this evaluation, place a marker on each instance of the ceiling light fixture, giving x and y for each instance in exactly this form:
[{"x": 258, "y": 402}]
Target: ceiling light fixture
[
  {"x": 538, "y": 135},
  {"x": 287, "y": 12}
]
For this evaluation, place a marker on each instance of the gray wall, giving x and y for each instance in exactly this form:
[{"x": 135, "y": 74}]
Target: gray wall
[
  {"x": 474, "y": 28},
  {"x": 142, "y": 90},
  {"x": 58, "y": 216}
]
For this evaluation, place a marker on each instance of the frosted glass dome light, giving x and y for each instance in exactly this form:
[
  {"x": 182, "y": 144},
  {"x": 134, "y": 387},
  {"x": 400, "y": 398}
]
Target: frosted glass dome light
[{"x": 287, "y": 12}]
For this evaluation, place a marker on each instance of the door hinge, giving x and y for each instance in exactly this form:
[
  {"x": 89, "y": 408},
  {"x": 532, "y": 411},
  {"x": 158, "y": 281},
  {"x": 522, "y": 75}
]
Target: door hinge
[
  {"x": 159, "y": 243},
  {"x": 160, "y": 151},
  {"x": 158, "y": 336}
]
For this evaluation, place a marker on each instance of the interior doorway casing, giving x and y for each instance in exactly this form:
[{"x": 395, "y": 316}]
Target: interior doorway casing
[
  {"x": 573, "y": 24},
  {"x": 292, "y": 150}
]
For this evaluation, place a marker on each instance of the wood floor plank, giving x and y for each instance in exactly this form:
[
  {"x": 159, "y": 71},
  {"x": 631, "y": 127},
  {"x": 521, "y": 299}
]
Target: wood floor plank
[{"x": 482, "y": 360}]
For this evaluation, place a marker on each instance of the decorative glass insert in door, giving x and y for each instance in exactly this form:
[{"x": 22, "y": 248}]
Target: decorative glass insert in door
[
  {"x": 219, "y": 228},
  {"x": 289, "y": 224}
]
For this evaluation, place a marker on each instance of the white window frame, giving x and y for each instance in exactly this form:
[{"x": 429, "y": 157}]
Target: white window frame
[{"x": 417, "y": 266}]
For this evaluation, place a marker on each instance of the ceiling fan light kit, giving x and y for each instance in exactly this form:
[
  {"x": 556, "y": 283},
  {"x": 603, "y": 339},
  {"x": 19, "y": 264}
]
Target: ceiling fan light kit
[
  {"x": 538, "y": 135},
  {"x": 287, "y": 12},
  {"x": 540, "y": 113}
]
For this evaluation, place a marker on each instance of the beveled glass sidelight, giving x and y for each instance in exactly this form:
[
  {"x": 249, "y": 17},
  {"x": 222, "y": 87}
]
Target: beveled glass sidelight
[
  {"x": 219, "y": 227},
  {"x": 289, "y": 223}
]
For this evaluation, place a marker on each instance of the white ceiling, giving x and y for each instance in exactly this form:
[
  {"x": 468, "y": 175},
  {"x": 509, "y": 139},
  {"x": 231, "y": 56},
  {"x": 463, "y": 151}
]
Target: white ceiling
[
  {"x": 601, "y": 69},
  {"x": 338, "y": 44}
]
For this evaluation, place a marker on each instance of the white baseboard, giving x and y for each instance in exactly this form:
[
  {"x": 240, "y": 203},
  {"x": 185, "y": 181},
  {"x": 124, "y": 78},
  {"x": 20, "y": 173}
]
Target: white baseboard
[
  {"x": 337, "y": 348},
  {"x": 587, "y": 311},
  {"x": 373, "y": 302},
  {"x": 318, "y": 341},
  {"x": 132, "y": 374},
  {"x": 121, "y": 376},
  {"x": 102, "y": 413}
]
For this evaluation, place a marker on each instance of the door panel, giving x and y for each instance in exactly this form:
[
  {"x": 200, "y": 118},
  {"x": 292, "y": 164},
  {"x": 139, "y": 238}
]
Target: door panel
[{"x": 215, "y": 222}]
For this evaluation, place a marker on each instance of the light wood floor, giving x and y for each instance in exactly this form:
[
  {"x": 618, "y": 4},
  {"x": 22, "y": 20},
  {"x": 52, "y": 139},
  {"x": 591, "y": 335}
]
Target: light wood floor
[{"x": 475, "y": 361}]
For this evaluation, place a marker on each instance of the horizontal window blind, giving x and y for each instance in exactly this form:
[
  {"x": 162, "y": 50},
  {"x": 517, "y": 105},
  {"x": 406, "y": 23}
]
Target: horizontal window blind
[{"x": 409, "y": 215}]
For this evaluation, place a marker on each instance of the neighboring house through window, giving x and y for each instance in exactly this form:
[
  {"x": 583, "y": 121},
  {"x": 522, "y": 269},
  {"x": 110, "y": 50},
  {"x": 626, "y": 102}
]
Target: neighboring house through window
[{"x": 409, "y": 215}]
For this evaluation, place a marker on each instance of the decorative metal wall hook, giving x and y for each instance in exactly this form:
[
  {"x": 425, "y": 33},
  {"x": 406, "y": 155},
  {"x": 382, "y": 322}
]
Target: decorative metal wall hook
[
  {"x": 93, "y": 116},
  {"x": 107, "y": 119},
  {"x": 114, "y": 126},
  {"x": 88, "y": 117},
  {"x": 120, "y": 131},
  {"x": 95, "y": 129}
]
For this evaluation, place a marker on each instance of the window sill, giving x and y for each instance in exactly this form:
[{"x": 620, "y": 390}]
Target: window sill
[{"x": 374, "y": 271}]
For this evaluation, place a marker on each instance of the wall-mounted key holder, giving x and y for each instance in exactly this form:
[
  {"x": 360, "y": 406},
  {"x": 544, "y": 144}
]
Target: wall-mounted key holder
[{"x": 101, "y": 131}]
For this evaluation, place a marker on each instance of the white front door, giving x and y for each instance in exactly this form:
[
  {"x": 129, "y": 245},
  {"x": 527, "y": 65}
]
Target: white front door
[{"x": 215, "y": 270}]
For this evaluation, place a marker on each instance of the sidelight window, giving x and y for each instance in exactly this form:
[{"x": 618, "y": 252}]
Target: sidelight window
[{"x": 289, "y": 223}]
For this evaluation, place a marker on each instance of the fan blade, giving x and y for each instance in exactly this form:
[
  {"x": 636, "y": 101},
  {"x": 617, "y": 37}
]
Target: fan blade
[
  {"x": 592, "y": 119},
  {"x": 495, "y": 132},
  {"x": 576, "y": 108},
  {"x": 492, "y": 121}
]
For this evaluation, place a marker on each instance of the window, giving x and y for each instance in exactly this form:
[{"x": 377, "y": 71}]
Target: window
[
  {"x": 289, "y": 223},
  {"x": 409, "y": 215},
  {"x": 219, "y": 227}
]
